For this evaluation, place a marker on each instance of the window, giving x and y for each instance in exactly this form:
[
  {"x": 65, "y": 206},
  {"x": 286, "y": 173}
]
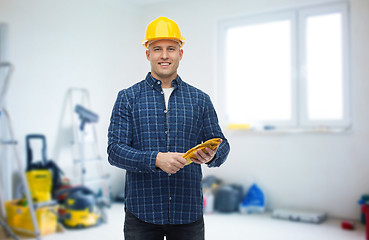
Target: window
[{"x": 286, "y": 69}]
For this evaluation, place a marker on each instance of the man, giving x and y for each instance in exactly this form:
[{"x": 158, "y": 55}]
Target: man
[{"x": 153, "y": 124}]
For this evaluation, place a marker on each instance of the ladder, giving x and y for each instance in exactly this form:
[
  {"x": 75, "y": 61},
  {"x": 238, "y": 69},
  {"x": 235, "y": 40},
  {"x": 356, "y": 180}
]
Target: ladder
[
  {"x": 12, "y": 142},
  {"x": 3, "y": 224},
  {"x": 85, "y": 144}
]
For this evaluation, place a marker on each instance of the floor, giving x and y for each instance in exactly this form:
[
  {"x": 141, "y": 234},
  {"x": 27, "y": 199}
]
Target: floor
[{"x": 229, "y": 226}]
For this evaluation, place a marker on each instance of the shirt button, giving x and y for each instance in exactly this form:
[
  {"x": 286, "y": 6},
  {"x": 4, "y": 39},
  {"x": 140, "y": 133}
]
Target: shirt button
[
  {"x": 162, "y": 92},
  {"x": 165, "y": 111},
  {"x": 158, "y": 82},
  {"x": 166, "y": 132},
  {"x": 169, "y": 174},
  {"x": 170, "y": 198}
]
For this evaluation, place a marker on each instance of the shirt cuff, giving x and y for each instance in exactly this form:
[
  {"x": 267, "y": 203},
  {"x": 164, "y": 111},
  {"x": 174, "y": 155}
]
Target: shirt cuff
[{"x": 151, "y": 161}]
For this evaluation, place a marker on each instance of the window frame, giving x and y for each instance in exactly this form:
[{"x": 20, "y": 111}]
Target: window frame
[
  {"x": 297, "y": 15},
  {"x": 303, "y": 15}
]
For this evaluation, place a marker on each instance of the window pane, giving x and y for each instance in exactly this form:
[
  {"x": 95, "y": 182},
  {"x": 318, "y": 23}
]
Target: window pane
[
  {"x": 324, "y": 67},
  {"x": 258, "y": 72}
]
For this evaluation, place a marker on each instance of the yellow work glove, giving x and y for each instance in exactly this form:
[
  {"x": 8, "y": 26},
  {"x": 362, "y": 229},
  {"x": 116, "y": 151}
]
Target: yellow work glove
[{"x": 211, "y": 143}]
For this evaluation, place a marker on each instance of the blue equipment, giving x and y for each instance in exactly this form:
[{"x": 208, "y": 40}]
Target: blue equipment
[{"x": 86, "y": 116}]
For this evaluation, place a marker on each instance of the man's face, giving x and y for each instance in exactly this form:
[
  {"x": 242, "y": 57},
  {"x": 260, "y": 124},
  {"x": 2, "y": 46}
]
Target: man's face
[{"x": 164, "y": 56}]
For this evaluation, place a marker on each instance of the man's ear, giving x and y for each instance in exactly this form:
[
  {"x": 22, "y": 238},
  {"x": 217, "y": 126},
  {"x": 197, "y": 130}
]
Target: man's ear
[
  {"x": 180, "y": 54},
  {"x": 147, "y": 54}
]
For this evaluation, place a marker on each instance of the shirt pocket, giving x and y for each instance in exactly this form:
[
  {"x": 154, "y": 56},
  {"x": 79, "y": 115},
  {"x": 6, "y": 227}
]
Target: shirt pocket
[
  {"x": 187, "y": 118},
  {"x": 148, "y": 124}
]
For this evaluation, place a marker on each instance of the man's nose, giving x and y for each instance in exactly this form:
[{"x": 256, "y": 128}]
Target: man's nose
[{"x": 164, "y": 54}]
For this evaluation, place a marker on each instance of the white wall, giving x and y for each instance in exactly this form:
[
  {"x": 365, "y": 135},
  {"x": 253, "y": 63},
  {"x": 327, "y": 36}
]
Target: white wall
[
  {"x": 55, "y": 45},
  {"x": 95, "y": 44},
  {"x": 326, "y": 172}
]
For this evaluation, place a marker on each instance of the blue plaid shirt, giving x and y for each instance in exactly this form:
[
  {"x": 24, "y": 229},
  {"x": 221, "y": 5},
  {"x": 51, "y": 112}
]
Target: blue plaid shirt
[{"x": 140, "y": 127}]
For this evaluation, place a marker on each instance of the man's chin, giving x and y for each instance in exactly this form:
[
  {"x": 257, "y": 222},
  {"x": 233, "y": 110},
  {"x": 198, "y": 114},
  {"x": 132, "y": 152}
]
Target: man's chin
[{"x": 166, "y": 75}]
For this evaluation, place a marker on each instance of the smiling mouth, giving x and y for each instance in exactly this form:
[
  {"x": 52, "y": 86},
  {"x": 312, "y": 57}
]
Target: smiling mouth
[{"x": 164, "y": 64}]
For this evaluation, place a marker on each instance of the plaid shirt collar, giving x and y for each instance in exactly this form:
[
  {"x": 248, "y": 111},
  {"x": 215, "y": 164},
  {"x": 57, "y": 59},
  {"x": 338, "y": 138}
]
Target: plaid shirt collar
[{"x": 156, "y": 84}]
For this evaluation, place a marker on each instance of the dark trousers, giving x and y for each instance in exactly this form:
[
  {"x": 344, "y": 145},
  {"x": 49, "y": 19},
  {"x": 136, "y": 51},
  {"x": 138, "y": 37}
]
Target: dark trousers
[{"x": 135, "y": 229}]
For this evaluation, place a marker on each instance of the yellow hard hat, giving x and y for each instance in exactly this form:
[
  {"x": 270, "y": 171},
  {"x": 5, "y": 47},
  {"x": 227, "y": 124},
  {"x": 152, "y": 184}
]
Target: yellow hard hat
[{"x": 163, "y": 28}]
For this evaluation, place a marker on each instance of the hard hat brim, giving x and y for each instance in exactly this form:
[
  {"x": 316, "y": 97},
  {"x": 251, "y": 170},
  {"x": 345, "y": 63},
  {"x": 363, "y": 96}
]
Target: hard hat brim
[{"x": 147, "y": 42}]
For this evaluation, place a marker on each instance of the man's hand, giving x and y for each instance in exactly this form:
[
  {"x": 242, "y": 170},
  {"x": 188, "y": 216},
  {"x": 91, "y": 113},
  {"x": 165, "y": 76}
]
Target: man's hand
[
  {"x": 170, "y": 162},
  {"x": 204, "y": 157}
]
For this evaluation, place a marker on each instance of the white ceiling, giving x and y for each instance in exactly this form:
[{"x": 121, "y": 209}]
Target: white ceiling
[{"x": 148, "y": 2}]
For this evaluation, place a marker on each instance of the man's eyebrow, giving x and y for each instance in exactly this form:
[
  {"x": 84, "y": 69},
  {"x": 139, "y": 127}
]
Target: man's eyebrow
[{"x": 170, "y": 46}]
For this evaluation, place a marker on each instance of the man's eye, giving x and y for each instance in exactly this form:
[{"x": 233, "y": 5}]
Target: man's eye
[
  {"x": 172, "y": 49},
  {"x": 156, "y": 49}
]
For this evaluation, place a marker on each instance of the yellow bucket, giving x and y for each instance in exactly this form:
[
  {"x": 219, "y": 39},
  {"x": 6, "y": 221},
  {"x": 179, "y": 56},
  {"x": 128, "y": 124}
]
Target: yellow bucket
[{"x": 19, "y": 218}]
